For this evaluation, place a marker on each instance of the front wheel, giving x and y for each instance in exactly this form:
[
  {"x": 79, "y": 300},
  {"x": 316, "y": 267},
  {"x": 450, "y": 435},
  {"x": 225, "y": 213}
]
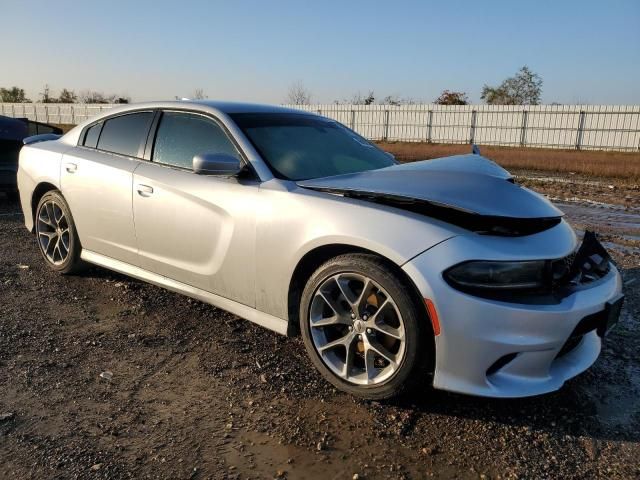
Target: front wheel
[
  {"x": 363, "y": 328},
  {"x": 57, "y": 235}
]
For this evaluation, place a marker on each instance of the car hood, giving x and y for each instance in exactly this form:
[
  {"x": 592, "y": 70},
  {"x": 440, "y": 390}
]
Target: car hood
[{"x": 469, "y": 184}]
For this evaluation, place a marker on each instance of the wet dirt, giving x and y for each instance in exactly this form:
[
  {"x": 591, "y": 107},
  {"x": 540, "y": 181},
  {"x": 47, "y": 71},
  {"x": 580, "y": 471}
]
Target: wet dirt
[{"x": 197, "y": 393}]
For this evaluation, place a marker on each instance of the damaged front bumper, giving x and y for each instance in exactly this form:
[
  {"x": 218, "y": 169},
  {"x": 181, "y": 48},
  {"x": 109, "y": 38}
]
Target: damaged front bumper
[{"x": 502, "y": 348}]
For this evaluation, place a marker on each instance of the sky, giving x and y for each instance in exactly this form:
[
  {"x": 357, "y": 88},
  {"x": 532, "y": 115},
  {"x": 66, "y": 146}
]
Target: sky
[{"x": 585, "y": 51}]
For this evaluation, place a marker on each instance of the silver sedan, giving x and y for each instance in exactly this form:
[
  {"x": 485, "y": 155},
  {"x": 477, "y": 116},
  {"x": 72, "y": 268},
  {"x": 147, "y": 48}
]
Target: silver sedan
[{"x": 443, "y": 271}]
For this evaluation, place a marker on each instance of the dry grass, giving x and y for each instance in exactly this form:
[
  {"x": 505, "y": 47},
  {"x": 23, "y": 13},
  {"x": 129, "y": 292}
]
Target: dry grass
[{"x": 622, "y": 166}]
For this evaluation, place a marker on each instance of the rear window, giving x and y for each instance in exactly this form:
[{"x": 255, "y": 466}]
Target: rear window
[
  {"x": 125, "y": 134},
  {"x": 91, "y": 137}
]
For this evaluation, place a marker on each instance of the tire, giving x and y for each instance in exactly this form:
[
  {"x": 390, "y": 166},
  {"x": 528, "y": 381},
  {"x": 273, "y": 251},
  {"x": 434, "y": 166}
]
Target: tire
[
  {"x": 56, "y": 234},
  {"x": 380, "y": 352}
]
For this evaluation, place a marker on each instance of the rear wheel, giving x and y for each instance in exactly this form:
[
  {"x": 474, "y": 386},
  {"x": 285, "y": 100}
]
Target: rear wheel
[
  {"x": 363, "y": 328},
  {"x": 56, "y": 233}
]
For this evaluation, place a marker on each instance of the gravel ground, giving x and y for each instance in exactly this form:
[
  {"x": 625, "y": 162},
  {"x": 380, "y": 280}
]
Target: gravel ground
[{"x": 102, "y": 376}]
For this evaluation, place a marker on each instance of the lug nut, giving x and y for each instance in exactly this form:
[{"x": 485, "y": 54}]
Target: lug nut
[
  {"x": 369, "y": 331},
  {"x": 353, "y": 315},
  {"x": 351, "y": 328}
]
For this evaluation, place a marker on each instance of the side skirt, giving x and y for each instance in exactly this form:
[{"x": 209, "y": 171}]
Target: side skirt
[{"x": 276, "y": 324}]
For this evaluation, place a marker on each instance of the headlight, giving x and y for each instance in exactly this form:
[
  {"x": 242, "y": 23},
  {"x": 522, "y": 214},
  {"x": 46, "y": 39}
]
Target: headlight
[{"x": 498, "y": 275}]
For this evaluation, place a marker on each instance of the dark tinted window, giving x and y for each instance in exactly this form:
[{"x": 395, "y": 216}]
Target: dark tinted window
[
  {"x": 32, "y": 128},
  {"x": 37, "y": 128},
  {"x": 91, "y": 137},
  {"x": 181, "y": 136},
  {"x": 44, "y": 128},
  {"x": 125, "y": 133},
  {"x": 302, "y": 146}
]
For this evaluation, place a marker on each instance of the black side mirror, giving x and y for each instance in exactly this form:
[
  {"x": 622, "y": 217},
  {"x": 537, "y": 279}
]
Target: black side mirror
[{"x": 216, "y": 164}]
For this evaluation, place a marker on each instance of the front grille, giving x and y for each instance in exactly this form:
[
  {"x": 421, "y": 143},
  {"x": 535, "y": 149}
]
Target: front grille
[
  {"x": 594, "y": 322},
  {"x": 573, "y": 341},
  {"x": 587, "y": 264}
]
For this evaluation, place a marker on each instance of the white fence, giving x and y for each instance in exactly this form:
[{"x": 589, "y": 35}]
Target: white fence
[
  {"x": 594, "y": 127},
  {"x": 588, "y": 127},
  {"x": 60, "y": 113}
]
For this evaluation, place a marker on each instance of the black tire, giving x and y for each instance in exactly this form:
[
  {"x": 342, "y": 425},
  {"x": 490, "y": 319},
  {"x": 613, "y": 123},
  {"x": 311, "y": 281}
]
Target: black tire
[
  {"x": 413, "y": 368},
  {"x": 72, "y": 263}
]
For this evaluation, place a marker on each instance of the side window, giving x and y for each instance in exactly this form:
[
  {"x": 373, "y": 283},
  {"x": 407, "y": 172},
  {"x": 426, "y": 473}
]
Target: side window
[
  {"x": 91, "y": 136},
  {"x": 181, "y": 136},
  {"x": 125, "y": 134}
]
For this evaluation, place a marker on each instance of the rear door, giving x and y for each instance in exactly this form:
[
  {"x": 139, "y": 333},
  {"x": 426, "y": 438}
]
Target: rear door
[
  {"x": 97, "y": 181},
  {"x": 196, "y": 229}
]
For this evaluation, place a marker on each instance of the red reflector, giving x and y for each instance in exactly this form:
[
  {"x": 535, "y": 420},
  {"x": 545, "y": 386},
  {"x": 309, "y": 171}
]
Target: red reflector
[{"x": 433, "y": 316}]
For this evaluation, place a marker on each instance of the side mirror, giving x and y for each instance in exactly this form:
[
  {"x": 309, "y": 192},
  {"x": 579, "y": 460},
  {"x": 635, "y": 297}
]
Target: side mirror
[{"x": 217, "y": 164}]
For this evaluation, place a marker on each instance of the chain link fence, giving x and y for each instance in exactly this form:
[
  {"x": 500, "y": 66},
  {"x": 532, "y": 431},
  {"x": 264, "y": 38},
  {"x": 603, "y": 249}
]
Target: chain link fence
[{"x": 588, "y": 127}]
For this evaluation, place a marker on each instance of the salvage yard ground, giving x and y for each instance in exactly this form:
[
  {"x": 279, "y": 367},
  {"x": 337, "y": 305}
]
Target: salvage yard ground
[{"x": 192, "y": 392}]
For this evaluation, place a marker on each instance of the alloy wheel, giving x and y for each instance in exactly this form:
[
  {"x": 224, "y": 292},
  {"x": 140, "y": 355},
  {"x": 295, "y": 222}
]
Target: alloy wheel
[
  {"x": 357, "y": 329},
  {"x": 52, "y": 228}
]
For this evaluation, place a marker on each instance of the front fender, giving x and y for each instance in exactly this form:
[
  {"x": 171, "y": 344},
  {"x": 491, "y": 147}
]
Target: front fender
[{"x": 293, "y": 223}]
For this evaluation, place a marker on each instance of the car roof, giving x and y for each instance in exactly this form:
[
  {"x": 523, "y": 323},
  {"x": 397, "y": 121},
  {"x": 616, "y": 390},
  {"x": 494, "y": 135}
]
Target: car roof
[
  {"x": 204, "y": 105},
  {"x": 243, "y": 107}
]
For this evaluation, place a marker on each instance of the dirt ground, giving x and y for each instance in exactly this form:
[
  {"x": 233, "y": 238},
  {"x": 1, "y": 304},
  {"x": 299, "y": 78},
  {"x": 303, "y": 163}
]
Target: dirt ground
[{"x": 102, "y": 376}]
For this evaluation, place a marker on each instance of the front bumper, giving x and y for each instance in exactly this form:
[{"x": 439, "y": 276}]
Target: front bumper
[{"x": 529, "y": 338}]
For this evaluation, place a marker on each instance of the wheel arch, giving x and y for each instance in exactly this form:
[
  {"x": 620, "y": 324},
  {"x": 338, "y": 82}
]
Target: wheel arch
[
  {"x": 41, "y": 189},
  {"x": 316, "y": 257}
]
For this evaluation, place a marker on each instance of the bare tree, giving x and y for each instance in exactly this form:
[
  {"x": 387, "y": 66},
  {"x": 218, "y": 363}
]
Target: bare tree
[
  {"x": 199, "y": 94},
  {"x": 67, "y": 96},
  {"x": 392, "y": 100},
  {"x": 298, "y": 94},
  {"x": 45, "y": 95},
  {"x": 120, "y": 98},
  {"x": 360, "y": 99},
  {"x": 90, "y": 96}
]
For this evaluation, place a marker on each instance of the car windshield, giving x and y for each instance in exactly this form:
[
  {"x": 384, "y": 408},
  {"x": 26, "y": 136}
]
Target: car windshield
[{"x": 302, "y": 146}]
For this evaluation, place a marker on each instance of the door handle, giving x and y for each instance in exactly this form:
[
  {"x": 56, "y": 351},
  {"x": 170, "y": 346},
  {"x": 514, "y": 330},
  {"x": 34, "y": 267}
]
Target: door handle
[
  {"x": 71, "y": 167},
  {"x": 144, "y": 190}
]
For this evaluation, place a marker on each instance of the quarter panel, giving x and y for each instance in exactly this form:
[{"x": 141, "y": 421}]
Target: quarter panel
[{"x": 39, "y": 163}]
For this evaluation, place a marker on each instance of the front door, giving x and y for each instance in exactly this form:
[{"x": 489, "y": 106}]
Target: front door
[{"x": 195, "y": 229}]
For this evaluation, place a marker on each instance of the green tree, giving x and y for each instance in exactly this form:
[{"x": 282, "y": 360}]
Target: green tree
[
  {"x": 524, "y": 88},
  {"x": 447, "y": 97},
  {"x": 13, "y": 95}
]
